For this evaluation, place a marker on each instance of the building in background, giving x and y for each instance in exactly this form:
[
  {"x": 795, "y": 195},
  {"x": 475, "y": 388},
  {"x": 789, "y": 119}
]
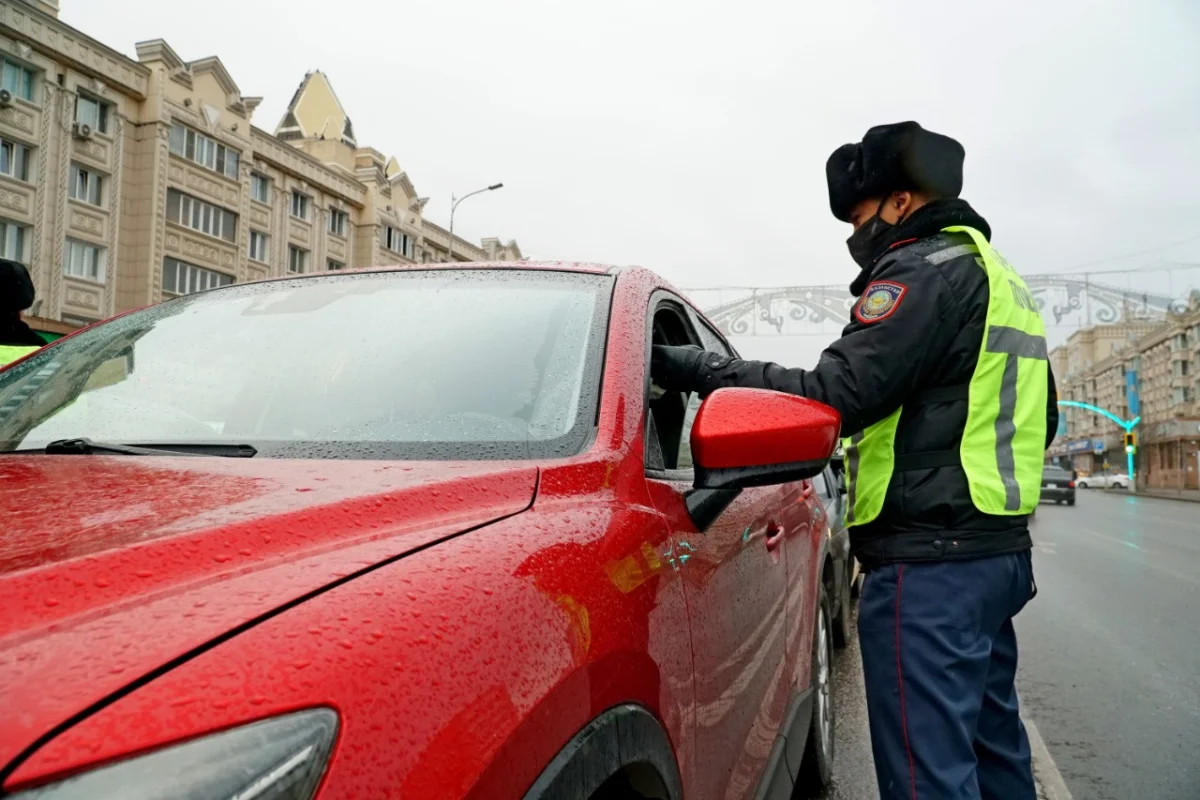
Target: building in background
[
  {"x": 124, "y": 182},
  {"x": 1145, "y": 369}
]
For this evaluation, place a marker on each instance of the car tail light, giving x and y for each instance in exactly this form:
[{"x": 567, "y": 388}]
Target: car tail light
[
  {"x": 282, "y": 758},
  {"x": 1070, "y": 484}
]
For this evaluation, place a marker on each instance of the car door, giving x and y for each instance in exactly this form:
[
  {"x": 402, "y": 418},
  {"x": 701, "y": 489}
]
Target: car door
[{"x": 735, "y": 585}]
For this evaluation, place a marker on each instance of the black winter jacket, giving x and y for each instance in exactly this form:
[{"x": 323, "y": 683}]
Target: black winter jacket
[{"x": 930, "y": 338}]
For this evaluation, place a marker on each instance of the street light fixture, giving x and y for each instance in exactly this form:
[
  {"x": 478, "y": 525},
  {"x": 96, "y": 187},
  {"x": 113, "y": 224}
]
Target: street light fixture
[{"x": 454, "y": 204}]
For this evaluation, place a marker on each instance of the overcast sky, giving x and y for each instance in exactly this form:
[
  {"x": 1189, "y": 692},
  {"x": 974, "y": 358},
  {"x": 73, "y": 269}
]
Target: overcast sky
[{"x": 690, "y": 136}]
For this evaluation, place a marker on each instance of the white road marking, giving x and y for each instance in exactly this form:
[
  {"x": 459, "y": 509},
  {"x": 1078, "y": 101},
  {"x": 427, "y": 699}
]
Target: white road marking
[{"x": 1045, "y": 771}]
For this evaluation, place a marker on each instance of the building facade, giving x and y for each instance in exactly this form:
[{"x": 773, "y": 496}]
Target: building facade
[
  {"x": 1139, "y": 369},
  {"x": 126, "y": 181}
]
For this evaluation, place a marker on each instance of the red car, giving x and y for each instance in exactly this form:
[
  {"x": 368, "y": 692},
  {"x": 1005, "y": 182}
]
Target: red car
[{"x": 408, "y": 533}]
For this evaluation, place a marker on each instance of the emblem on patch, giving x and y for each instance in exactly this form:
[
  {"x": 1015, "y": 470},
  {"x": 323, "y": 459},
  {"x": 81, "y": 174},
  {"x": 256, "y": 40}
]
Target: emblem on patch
[{"x": 879, "y": 301}]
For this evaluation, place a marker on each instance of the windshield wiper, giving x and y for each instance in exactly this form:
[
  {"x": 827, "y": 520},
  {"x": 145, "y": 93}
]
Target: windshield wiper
[{"x": 87, "y": 447}]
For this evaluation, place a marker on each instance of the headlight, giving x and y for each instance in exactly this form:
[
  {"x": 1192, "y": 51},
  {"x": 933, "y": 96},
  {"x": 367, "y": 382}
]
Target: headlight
[{"x": 277, "y": 759}]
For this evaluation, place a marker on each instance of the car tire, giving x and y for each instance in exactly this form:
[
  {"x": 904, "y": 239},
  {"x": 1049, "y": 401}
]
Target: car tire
[
  {"x": 816, "y": 768},
  {"x": 843, "y": 623},
  {"x": 1071, "y": 502}
]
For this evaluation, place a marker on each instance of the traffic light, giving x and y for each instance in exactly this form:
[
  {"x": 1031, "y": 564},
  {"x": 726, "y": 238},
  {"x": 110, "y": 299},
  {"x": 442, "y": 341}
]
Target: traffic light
[{"x": 1130, "y": 442}]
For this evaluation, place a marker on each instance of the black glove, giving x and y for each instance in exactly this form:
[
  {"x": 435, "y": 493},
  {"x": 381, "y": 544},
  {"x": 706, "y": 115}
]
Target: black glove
[{"x": 680, "y": 369}]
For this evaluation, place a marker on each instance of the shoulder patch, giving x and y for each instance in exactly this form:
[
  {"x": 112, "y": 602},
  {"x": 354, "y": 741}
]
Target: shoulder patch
[{"x": 879, "y": 301}]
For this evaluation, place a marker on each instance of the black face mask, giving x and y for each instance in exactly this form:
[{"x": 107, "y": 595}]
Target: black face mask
[{"x": 867, "y": 240}]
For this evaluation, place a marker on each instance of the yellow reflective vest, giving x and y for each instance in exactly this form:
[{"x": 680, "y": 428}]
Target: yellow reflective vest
[
  {"x": 11, "y": 353},
  {"x": 1004, "y": 438}
]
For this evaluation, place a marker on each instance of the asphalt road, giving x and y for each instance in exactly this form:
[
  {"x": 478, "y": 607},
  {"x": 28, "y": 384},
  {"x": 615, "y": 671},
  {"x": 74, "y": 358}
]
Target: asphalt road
[
  {"x": 1110, "y": 655},
  {"x": 1110, "y": 647}
]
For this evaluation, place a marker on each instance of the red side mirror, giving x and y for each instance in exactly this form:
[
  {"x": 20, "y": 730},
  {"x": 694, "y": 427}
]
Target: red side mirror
[{"x": 752, "y": 437}]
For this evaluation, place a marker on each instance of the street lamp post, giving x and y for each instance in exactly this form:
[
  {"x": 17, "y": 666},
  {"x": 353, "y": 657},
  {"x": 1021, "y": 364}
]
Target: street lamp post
[
  {"x": 454, "y": 204},
  {"x": 1127, "y": 425}
]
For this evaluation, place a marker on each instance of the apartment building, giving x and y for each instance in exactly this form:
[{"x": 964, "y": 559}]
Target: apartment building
[
  {"x": 126, "y": 181},
  {"x": 1160, "y": 363}
]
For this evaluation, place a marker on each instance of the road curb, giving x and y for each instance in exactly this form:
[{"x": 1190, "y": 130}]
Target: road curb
[
  {"x": 1050, "y": 783},
  {"x": 1165, "y": 496}
]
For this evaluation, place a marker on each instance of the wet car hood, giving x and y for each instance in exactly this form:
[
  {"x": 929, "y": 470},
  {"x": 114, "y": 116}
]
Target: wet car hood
[{"x": 112, "y": 568}]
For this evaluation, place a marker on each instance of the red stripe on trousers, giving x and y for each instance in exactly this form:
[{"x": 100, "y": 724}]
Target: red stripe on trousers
[{"x": 912, "y": 772}]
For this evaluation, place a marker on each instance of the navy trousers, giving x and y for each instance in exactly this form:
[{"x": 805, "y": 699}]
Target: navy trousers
[{"x": 939, "y": 661}]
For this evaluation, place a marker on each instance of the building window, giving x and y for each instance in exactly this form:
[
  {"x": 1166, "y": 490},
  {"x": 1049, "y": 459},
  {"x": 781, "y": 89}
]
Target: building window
[
  {"x": 297, "y": 259},
  {"x": 14, "y": 160},
  {"x": 18, "y": 79},
  {"x": 179, "y": 277},
  {"x": 201, "y": 216},
  {"x": 258, "y": 245},
  {"x": 301, "y": 205},
  {"x": 260, "y": 188},
  {"x": 337, "y": 222},
  {"x": 83, "y": 260},
  {"x": 90, "y": 111},
  {"x": 398, "y": 242},
  {"x": 334, "y": 266},
  {"x": 204, "y": 151},
  {"x": 86, "y": 185},
  {"x": 12, "y": 241}
]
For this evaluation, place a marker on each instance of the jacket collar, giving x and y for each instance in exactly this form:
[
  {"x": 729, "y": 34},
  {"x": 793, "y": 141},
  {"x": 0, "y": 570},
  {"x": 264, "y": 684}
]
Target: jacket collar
[{"x": 926, "y": 221}]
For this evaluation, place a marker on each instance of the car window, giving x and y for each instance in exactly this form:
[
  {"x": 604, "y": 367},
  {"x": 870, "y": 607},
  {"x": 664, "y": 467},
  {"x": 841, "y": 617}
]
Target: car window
[
  {"x": 670, "y": 414},
  {"x": 1057, "y": 473},
  {"x": 434, "y": 365},
  {"x": 713, "y": 344}
]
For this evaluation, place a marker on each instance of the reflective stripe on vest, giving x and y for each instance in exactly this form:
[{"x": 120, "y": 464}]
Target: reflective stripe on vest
[
  {"x": 11, "y": 353},
  {"x": 1004, "y": 438}
]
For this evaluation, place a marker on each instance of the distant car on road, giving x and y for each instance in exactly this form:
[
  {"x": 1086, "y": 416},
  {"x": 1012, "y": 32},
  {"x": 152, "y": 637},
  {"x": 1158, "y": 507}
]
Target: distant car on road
[
  {"x": 1116, "y": 480},
  {"x": 1058, "y": 486},
  {"x": 421, "y": 533}
]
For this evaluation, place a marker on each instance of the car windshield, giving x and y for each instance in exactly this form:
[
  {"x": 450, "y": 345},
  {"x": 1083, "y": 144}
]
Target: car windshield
[
  {"x": 453, "y": 364},
  {"x": 1056, "y": 473}
]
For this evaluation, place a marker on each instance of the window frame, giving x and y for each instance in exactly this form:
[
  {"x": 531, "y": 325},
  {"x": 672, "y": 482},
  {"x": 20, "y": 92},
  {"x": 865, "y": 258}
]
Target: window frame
[
  {"x": 95, "y": 176},
  {"x": 660, "y": 300},
  {"x": 201, "y": 211},
  {"x": 306, "y": 204},
  {"x": 223, "y": 156},
  {"x": 171, "y": 294},
  {"x": 29, "y": 75},
  {"x": 265, "y": 238},
  {"x": 104, "y": 112},
  {"x": 329, "y": 265},
  {"x": 26, "y": 160},
  {"x": 100, "y": 262},
  {"x": 343, "y": 217},
  {"x": 258, "y": 178},
  {"x": 8, "y": 226},
  {"x": 306, "y": 258}
]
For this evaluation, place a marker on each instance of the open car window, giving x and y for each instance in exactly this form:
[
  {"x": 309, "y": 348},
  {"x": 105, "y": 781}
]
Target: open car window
[
  {"x": 670, "y": 414},
  {"x": 440, "y": 364}
]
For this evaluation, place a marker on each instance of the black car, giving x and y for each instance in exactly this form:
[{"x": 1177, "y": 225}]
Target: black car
[{"x": 1058, "y": 485}]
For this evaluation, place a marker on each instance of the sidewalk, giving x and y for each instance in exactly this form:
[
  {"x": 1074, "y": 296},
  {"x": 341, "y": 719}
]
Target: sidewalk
[{"x": 1188, "y": 495}]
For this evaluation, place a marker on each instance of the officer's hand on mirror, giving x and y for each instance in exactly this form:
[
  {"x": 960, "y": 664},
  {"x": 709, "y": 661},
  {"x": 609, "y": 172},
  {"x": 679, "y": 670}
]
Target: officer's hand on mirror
[{"x": 676, "y": 369}]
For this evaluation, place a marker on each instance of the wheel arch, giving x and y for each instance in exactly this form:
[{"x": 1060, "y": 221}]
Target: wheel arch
[{"x": 627, "y": 739}]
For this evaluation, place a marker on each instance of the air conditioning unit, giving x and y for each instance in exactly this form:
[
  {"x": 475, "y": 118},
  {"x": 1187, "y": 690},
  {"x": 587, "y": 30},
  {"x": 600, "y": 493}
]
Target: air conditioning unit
[
  {"x": 81, "y": 130},
  {"x": 5, "y": 98}
]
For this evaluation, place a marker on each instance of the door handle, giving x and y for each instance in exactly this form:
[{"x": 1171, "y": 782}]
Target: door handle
[{"x": 774, "y": 535}]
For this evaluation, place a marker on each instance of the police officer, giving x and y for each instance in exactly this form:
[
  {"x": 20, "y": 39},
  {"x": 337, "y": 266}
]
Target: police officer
[
  {"x": 17, "y": 339},
  {"x": 947, "y": 400}
]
